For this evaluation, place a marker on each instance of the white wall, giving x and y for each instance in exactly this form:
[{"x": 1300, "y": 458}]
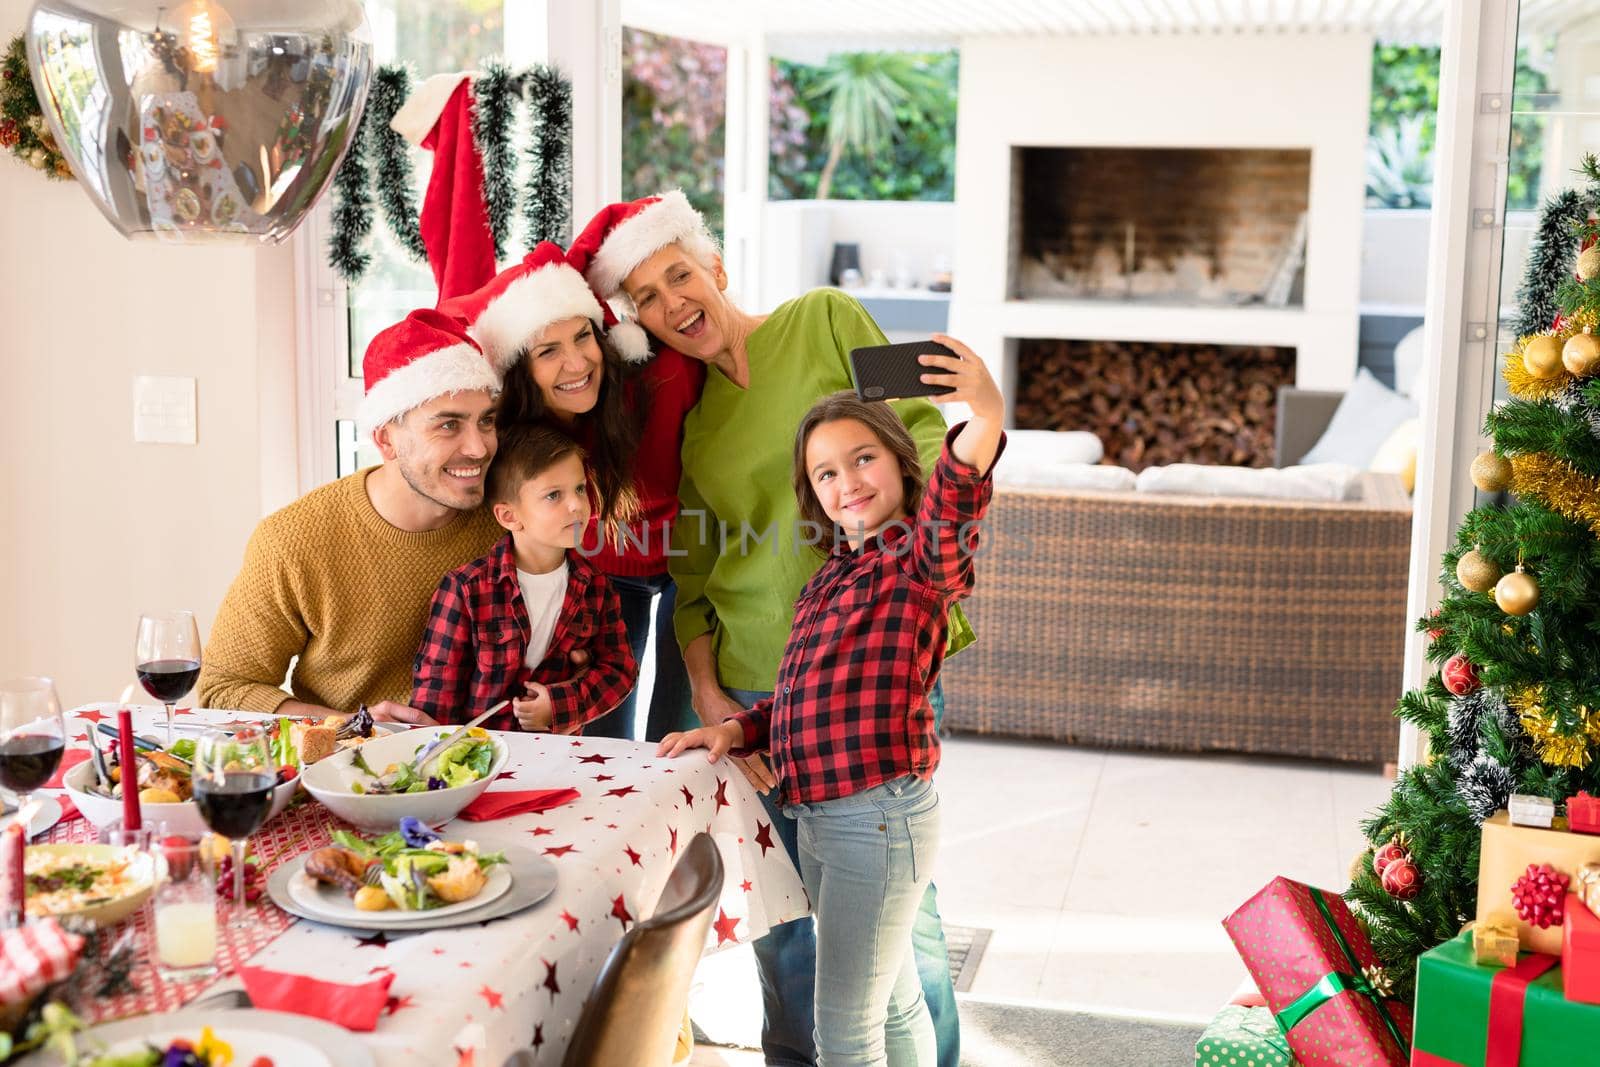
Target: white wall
[
  {"x": 800, "y": 235},
  {"x": 93, "y": 527},
  {"x": 1233, "y": 91}
]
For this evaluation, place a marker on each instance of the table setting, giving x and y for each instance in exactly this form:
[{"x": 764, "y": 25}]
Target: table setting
[{"x": 432, "y": 895}]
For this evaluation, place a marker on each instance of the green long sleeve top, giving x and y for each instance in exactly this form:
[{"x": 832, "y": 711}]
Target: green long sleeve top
[{"x": 739, "y": 556}]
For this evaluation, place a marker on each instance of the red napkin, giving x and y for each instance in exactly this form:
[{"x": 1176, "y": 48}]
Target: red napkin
[
  {"x": 508, "y": 802},
  {"x": 34, "y": 956},
  {"x": 69, "y": 760},
  {"x": 354, "y": 1007}
]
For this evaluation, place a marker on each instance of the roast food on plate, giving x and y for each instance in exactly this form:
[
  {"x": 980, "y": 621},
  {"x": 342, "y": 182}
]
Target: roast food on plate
[{"x": 410, "y": 869}]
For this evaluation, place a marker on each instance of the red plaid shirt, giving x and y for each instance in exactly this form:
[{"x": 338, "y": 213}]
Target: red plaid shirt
[
  {"x": 851, "y": 707},
  {"x": 476, "y": 639}
]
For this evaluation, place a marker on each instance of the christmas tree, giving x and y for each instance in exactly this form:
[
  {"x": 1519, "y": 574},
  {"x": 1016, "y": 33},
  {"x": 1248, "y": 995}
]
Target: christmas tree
[{"x": 1515, "y": 704}]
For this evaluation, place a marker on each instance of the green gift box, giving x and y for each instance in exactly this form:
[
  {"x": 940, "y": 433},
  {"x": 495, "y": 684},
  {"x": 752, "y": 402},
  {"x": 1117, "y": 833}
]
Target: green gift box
[
  {"x": 1469, "y": 1014},
  {"x": 1243, "y": 1037}
]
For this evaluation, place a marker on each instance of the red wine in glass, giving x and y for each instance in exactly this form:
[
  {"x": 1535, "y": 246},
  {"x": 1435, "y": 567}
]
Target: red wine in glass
[
  {"x": 166, "y": 655},
  {"x": 168, "y": 679},
  {"x": 237, "y": 805},
  {"x": 28, "y": 760}
]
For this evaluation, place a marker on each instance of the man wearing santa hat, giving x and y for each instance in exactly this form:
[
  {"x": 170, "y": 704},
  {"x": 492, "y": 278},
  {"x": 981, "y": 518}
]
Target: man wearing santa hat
[{"x": 338, "y": 583}]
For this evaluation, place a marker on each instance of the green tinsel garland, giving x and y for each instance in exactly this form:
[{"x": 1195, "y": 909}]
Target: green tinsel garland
[
  {"x": 546, "y": 200},
  {"x": 22, "y": 126}
]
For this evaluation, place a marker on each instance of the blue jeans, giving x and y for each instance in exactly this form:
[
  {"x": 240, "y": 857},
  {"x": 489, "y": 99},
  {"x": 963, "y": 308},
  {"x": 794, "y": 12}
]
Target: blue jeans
[
  {"x": 670, "y": 706},
  {"x": 786, "y": 957},
  {"x": 866, "y": 860}
]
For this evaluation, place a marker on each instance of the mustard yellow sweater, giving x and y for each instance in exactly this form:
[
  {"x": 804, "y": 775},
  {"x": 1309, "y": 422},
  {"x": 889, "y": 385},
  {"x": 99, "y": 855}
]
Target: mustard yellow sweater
[{"x": 328, "y": 580}]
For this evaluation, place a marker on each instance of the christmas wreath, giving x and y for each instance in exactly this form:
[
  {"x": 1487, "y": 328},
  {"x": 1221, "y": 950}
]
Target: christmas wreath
[{"x": 22, "y": 125}]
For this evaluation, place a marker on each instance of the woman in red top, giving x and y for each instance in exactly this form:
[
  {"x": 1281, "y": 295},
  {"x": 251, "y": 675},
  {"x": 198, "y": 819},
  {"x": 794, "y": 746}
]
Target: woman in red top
[
  {"x": 850, "y": 732},
  {"x": 541, "y": 326}
]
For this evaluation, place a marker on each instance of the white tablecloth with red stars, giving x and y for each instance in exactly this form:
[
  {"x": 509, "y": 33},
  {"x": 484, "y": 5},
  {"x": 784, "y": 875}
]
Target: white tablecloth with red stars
[{"x": 474, "y": 994}]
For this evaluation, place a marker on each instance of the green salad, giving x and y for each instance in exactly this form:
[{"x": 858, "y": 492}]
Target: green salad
[
  {"x": 419, "y": 869},
  {"x": 465, "y": 762}
]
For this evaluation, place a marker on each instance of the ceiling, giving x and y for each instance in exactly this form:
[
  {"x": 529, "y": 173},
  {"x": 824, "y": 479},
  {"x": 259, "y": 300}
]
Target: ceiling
[{"x": 815, "y": 27}]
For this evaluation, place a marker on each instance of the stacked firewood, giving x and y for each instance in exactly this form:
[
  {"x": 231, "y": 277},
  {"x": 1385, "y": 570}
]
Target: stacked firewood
[{"x": 1155, "y": 403}]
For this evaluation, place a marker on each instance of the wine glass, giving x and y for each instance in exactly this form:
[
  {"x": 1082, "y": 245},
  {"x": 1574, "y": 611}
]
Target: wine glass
[
  {"x": 166, "y": 654},
  {"x": 233, "y": 781},
  {"x": 33, "y": 735}
]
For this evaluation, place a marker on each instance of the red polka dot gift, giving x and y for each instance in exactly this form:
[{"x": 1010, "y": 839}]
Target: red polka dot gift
[{"x": 1312, "y": 961}]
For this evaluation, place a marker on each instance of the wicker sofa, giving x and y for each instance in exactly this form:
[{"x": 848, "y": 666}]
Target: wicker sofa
[{"x": 1190, "y": 624}]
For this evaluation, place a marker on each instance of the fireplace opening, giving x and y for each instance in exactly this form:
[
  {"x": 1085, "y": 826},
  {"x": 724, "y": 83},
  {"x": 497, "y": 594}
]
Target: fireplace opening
[
  {"x": 1222, "y": 227},
  {"x": 1155, "y": 403}
]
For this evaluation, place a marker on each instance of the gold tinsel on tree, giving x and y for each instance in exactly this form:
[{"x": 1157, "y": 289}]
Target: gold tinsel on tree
[{"x": 1554, "y": 746}]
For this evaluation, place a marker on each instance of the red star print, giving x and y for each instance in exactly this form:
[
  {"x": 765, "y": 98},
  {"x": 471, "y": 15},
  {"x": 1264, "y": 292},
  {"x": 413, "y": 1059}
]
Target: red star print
[
  {"x": 619, "y": 911},
  {"x": 550, "y": 982},
  {"x": 466, "y": 1057},
  {"x": 632, "y": 855},
  {"x": 611, "y": 826},
  {"x": 763, "y": 836},
  {"x": 722, "y": 794},
  {"x": 394, "y": 1004},
  {"x": 674, "y": 833},
  {"x": 382, "y": 968},
  {"x": 182, "y": 711},
  {"x": 577, "y": 744},
  {"x": 559, "y": 850},
  {"x": 596, "y": 758},
  {"x": 92, "y": 716},
  {"x": 377, "y": 940},
  {"x": 688, "y": 797},
  {"x": 621, "y": 791},
  {"x": 496, "y": 1000},
  {"x": 604, "y": 777},
  {"x": 505, "y": 775},
  {"x": 570, "y": 919},
  {"x": 438, "y": 952},
  {"x": 81, "y": 739},
  {"x": 745, "y": 885},
  {"x": 538, "y": 1035},
  {"x": 725, "y": 927},
  {"x": 540, "y": 831}
]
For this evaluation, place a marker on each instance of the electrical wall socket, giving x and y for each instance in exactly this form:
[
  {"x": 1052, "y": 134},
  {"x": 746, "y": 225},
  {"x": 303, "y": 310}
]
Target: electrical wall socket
[{"x": 164, "y": 410}]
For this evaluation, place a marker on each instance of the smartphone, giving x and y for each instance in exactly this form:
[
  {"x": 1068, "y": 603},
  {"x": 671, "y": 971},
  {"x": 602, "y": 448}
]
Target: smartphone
[{"x": 887, "y": 372}]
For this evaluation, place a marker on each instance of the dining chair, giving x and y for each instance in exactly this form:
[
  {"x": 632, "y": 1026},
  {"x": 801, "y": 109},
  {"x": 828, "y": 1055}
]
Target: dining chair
[{"x": 634, "y": 1011}]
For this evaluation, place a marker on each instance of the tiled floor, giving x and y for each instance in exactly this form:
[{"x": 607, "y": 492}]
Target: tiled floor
[{"x": 1104, "y": 874}]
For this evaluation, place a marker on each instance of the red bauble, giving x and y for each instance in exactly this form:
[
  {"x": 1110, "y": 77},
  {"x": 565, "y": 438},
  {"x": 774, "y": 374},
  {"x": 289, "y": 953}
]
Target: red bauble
[
  {"x": 1388, "y": 854},
  {"x": 1434, "y": 635},
  {"x": 1459, "y": 675},
  {"x": 10, "y": 134},
  {"x": 1400, "y": 879},
  {"x": 1540, "y": 895}
]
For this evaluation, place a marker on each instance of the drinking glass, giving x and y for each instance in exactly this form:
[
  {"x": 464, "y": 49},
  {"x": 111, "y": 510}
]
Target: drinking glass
[
  {"x": 166, "y": 654},
  {"x": 32, "y": 734},
  {"x": 233, "y": 781},
  {"x": 185, "y": 910}
]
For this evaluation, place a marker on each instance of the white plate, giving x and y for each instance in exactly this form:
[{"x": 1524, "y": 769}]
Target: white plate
[
  {"x": 290, "y": 1040},
  {"x": 330, "y": 902},
  {"x": 48, "y": 815}
]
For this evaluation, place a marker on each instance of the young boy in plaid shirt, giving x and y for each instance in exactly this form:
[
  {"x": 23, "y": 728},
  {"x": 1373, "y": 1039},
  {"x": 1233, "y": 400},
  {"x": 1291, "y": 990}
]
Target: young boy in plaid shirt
[
  {"x": 849, "y": 729},
  {"x": 504, "y": 627}
]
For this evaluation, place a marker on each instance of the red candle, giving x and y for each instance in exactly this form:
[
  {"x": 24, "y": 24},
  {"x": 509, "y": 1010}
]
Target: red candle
[
  {"x": 130, "y": 770},
  {"x": 12, "y": 841}
]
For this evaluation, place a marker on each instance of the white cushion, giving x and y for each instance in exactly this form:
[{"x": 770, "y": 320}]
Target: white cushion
[
  {"x": 1408, "y": 365},
  {"x": 1365, "y": 418},
  {"x": 1053, "y": 446},
  {"x": 1027, "y": 475},
  {"x": 1327, "y": 481}
]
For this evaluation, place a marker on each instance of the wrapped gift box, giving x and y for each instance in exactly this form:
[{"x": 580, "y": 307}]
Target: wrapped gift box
[
  {"x": 1507, "y": 851},
  {"x": 1528, "y": 810},
  {"x": 1312, "y": 961},
  {"x": 1580, "y": 953},
  {"x": 1243, "y": 1035},
  {"x": 1460, "y": 1004},
  {"x": 1583, "y": 813}
]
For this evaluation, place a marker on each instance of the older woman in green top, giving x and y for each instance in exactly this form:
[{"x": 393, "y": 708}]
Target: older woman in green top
[{"x": 740, "y": 556}]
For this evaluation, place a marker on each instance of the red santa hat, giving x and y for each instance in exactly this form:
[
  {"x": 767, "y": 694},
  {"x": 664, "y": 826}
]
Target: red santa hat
[
  {"x": 427, "y": 354},
  {"x": 523, "y": 299},
  {"x": 622, "y": 236}
]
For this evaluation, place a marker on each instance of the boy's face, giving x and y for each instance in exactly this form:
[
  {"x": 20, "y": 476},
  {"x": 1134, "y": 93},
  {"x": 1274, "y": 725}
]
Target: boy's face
[
  {"x": 552, "y": 508},
  {"x": 856, "y": 478}
]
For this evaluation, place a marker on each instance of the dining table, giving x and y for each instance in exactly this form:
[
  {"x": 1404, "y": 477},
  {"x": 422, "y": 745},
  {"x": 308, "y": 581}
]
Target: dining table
[{"x": 474, "y": 994}]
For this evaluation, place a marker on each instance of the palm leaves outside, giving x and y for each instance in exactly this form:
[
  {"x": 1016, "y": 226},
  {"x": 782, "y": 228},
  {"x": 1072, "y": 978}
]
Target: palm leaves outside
[{"x": 867, "y": 96}]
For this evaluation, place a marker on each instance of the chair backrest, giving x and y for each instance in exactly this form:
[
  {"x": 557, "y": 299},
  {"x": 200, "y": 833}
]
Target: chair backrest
[{"x": 636, "y": 1007}]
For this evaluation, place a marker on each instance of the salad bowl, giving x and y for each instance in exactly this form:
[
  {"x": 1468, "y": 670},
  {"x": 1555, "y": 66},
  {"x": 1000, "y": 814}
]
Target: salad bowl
[{"x": 344, "y": 783}]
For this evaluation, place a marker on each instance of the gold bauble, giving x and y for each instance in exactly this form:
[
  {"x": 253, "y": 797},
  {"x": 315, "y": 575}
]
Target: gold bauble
[
  {"x": 1588, "y": 263},
  {"x": 1491, "y": 472},
  {"x": 1517, "y": 593},
  {"x": 1581, "y": 354},
  {"x": 1542, "y": 356},
  {"x": 1476, "y": 573},
  {"x": 37, "y": 158}
]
